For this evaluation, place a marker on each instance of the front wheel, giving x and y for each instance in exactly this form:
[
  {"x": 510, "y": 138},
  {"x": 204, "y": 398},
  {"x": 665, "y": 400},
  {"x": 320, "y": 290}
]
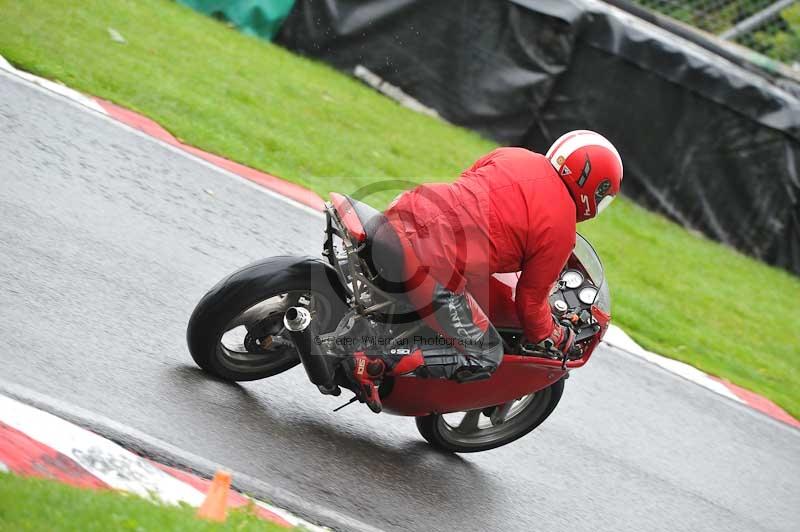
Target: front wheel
[
  {"x": 480, "y": 430},
  {"x": 236, "y": 331}
]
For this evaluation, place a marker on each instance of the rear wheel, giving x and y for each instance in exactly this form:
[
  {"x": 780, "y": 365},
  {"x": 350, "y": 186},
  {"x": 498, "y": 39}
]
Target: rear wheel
[
  {"x": 489, "y": 428},
  {"x": 236, "y": 331}
]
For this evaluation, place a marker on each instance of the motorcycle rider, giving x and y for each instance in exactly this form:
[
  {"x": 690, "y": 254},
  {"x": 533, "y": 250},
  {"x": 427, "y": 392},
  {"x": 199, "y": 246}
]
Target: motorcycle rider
[{"x": 513, "y": 210}]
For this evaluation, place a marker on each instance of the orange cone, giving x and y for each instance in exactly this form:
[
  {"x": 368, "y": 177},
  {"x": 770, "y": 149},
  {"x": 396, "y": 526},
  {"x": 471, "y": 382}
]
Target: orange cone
[{"x": 215, "y": 507}]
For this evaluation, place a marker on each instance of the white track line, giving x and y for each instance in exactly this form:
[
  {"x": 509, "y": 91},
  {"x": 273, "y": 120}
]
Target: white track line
[
  {"x": 77, "y": 99},
  {"x": 58, "y": 88},
  {"x": 290, "y": 518},
  {"x": 619, "y": 339}
]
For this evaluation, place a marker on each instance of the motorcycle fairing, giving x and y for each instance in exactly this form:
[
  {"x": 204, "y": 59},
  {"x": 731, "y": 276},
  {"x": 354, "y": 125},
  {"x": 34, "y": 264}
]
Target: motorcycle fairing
[{"x": 516, "y": 377}]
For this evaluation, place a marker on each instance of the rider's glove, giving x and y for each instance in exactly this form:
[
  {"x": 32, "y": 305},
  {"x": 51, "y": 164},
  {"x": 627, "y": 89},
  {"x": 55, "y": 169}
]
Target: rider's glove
[{"x": 562, "y": 338}]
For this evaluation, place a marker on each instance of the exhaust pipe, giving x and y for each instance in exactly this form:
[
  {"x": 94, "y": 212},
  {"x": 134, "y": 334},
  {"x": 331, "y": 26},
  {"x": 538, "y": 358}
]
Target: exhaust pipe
[
  {"x": 303, "y": 332},
  {"x": 297, "y": 319}
]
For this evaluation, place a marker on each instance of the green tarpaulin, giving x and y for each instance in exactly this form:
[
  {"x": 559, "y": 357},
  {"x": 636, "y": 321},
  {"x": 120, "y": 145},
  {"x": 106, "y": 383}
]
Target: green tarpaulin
[{"x": 262, "y": 18}]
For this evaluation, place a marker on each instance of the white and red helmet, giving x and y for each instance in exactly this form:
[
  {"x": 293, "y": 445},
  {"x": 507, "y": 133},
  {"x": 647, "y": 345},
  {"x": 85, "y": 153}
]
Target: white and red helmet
[{"x": 590, "y": 167}]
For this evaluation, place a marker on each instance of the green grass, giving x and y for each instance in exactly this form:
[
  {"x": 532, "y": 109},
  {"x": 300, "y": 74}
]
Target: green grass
[
  {"x": 35, "y": 504},
  {"x": 675, "y": 293}
]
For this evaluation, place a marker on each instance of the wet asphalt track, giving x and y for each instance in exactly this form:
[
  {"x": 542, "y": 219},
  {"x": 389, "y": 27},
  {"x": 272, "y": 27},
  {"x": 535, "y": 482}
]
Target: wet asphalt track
[{"x": 108, "y": 239}]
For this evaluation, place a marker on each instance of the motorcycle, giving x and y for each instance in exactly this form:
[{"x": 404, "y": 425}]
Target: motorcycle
[{"x": 282, "y": 311}]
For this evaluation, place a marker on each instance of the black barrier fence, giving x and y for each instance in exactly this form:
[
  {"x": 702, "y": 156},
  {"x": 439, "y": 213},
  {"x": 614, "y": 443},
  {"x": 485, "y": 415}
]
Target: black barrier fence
[{"x": 710, "y": 144}]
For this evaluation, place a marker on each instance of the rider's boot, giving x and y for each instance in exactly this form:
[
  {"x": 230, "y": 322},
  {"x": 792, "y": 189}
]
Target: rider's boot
[
  {"x": 447, "y": 363},
  {"x": 370, "y": 369},
  {"x": 367, "y": 374}
]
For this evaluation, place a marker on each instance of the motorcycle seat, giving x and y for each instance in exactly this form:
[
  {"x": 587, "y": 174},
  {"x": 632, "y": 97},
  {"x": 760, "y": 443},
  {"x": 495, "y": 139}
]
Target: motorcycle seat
[{"x": 380, "y": 246}]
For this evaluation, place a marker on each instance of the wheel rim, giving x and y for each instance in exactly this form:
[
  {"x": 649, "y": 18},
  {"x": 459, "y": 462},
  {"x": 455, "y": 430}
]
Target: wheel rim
[
  {"x": 255, "y": 340},
  {"x": 475, "y": 429}
]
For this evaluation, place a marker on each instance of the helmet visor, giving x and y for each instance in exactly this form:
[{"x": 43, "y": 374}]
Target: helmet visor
[{"x": 605, "y": 202}]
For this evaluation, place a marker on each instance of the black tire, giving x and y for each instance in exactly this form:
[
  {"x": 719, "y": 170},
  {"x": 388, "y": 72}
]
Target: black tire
[
  {"x": 243, "y": 289},
  {"x": 438, "y": 433}
]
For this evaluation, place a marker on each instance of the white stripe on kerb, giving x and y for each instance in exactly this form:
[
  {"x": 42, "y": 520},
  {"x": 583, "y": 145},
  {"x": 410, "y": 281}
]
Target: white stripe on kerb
[
  {"x": 58, "y": 88},
  {"x": 104, "y": 459},
  {"x": 616, "y": 337}
]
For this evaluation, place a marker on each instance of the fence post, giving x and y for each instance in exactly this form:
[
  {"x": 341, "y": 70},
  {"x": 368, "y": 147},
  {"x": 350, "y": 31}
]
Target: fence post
[{"x": 755, "y": 20}]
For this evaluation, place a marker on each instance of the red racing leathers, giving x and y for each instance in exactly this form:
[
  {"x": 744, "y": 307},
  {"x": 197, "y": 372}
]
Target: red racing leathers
[{"x": 509, "y": 212}]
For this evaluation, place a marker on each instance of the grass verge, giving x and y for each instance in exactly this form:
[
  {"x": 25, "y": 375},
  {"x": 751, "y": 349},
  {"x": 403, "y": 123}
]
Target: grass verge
[
  {"x": 38, "y": 504},
  {"x": 675, "y": 293}
]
